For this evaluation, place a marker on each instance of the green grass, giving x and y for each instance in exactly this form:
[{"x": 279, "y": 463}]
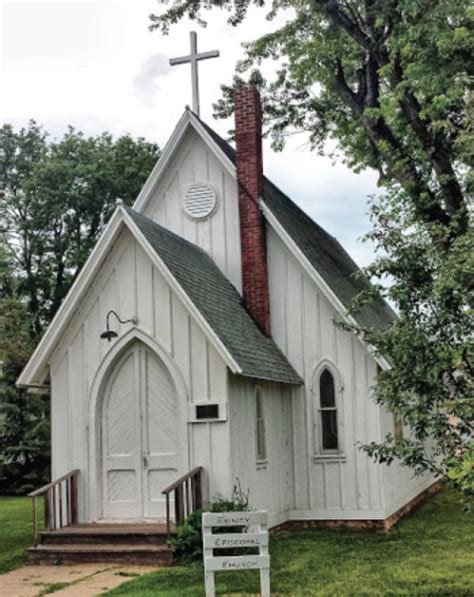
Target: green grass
[
  {"x": 16, "y": 528},
  {"x": 430, "y": 553}
]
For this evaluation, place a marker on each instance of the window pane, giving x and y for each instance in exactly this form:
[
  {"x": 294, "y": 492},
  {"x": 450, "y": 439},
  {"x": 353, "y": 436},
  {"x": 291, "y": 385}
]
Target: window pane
[
  {"x": 326, "y": 389},
  {"x": 258, "y": 397},
  {"x": 261, "y": 452},
  {"x": 261, "y": 448},
  {"x": 329, "y": 424}
]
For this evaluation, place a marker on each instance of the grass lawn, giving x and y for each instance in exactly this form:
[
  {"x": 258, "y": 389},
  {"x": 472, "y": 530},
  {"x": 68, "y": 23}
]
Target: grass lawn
[
  {"x": 429, "y": 553},
  {"x": 16, "y": 528}
]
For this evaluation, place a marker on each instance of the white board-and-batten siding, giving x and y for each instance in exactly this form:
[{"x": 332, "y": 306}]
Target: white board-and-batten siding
[
  {"x": 349, "y": 485},
  {"x": 218, "y": 235},
  {"x": 270, "y": 484},
  {"x": 302, "y": 319},
  {"x": 130, "y": 284}
]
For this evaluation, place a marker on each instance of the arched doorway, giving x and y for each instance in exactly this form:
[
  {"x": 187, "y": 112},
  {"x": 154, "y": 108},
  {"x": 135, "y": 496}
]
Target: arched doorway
[{"x": 139, "y": 435}]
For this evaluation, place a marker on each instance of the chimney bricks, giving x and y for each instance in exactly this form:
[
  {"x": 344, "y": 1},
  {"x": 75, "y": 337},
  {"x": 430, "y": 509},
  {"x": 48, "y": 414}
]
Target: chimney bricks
[{"x": 248, "y": 136}]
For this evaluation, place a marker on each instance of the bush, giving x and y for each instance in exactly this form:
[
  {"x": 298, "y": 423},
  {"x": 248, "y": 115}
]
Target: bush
[{"x": 188, "y": 539}]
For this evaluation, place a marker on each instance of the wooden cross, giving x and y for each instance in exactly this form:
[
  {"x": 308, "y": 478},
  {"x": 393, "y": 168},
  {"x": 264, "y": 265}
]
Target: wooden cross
[{"x": 193, "y": 58}]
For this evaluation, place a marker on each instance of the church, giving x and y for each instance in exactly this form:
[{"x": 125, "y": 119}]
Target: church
[{"x": 201, "y": 336}]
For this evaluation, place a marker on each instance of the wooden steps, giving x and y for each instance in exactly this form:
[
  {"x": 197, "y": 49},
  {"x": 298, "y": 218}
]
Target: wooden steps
[{"x": 122, "y": 543}]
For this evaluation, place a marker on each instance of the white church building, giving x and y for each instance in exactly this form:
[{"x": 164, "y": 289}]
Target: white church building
[{"x": 229, "y": 361}]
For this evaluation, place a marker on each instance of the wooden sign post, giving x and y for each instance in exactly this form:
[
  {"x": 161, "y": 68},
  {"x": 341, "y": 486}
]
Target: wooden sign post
[{"x": 256, "y": 524}]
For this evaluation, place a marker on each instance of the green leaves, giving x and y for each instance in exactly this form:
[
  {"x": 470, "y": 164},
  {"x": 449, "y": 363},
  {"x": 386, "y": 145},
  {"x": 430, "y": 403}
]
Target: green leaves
[{"x": 57, "y": 195}]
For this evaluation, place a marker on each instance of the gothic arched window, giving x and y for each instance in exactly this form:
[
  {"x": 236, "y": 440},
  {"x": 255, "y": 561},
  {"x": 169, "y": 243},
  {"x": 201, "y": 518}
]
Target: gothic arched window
[{"x": 328, "y": 411}]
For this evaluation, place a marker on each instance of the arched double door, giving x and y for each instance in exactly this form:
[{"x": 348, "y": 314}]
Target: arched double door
[{"x": 139, "y": 436}]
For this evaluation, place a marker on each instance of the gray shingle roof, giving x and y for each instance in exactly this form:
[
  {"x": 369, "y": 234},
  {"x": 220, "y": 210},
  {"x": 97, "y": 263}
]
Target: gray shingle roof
[
  {"x": 219, "y": 303},
  {"x": 322, "y": 250}
]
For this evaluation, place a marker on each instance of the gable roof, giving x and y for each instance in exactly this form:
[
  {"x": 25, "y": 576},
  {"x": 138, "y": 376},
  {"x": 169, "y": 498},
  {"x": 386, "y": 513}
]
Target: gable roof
[
  {"x": 325, "y": 254},
  {"x": 219, "y": 302},
  {"x": 209, "y": 296}
]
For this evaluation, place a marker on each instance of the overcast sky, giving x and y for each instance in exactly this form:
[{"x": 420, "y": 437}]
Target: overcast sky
[{"x": 93, "y": 64}]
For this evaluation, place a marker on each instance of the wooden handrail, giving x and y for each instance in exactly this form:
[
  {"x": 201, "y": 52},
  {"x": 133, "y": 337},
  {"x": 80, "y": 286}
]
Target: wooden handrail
[
  {"x": 45, "y": 488},
  {"x": 181, "y": 480},
  {"x": 60, "y": 502},
  {"x": 187, "y": 497}
]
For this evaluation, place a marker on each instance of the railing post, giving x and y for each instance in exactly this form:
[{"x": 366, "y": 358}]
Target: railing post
[
  {"x": 47, "y": 510},
  {"x": 198, "y": 489},
  {"x": 168, "y": 522},
  {"x": 35, "y": 523},
  {"x": 60, "y": 489},
  {"x": 74, "y": 498}
]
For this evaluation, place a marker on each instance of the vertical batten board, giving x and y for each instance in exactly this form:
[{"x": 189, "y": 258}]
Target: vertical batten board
[
  {"x": 354, "y": 427},
  {"x": 92, "y": 342},
  {"x": 372, "y": 435},
  {"x": 232, "y": 221},
  {"x": 198, "y": 364},
  {"x": 220, "y": 481},
  {"x": 309, "y": 333},
  {"x": 174, "y": 196},
  {"x": 301, "y": 456},
  {"x": 60, "y": 419},
  {"x": 162, "y": 317},
  {"x": 144, "y": 287},
  {"x": 288, "y": 471},
  {"x": 180, "y": 339},
  {"x": 158, "y": 212},
  {"x": 218, "y": 220},
  {"x": 125, "y": 289},
  {"x": 78, "y": 413},
  {"x": 294, "y": 315},
  {"x": 218, "y": 375},
  {"x": 333, "y": 492},
  {"x": 276, "y": 279},
  {"x": 360, "y": 431},
  {"x": 349, "y": 412},
  {"x": 199, "y": 439},
  {"x": 318, "y": 496}
]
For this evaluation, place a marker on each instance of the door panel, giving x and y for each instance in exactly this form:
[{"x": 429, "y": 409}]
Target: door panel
[
  {"x": 121, "y": 438},
  {"x": 159, "y": 433},
  {"x": 140, "y": 445}
]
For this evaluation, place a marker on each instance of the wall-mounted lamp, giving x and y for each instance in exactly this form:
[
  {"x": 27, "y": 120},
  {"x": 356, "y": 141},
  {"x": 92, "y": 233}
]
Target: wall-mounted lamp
[{"x": 109, "y": 334}]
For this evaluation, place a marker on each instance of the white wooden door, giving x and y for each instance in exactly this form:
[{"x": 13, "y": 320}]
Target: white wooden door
[{"x": 139, "y": 431}]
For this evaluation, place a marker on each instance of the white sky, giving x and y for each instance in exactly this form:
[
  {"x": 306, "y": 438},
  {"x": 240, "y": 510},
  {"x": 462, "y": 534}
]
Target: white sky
[{"x": 93, "y": 64}]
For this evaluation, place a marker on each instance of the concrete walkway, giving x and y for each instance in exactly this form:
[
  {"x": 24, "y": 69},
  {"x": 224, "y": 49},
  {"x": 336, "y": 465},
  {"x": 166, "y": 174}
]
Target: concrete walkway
[{"x": 85, "y": 580}]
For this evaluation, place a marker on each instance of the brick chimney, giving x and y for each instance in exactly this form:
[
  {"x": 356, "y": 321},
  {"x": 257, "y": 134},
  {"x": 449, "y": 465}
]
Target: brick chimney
[{"x": 248, "y": 137}]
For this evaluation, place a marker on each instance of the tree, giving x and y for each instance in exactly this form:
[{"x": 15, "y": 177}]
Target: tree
[
  {"x": 24, "y": 419},
  {"x": 55, "y": 198},
  {"x": 390, "y": 81}
]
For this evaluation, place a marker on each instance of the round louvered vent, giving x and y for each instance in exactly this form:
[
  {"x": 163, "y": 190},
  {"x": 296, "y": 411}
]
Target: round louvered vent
[{"x": 200, "y": 200}]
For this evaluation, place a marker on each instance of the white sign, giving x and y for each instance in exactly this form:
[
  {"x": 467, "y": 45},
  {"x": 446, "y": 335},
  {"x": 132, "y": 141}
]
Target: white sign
[{"x": 256, "y": 524}]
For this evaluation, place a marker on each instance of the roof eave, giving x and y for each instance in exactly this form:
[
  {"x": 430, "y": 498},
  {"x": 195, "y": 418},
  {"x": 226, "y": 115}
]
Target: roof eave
[
  {"x": 36, "y": 369},
  {"x": 318, "y": 279}
]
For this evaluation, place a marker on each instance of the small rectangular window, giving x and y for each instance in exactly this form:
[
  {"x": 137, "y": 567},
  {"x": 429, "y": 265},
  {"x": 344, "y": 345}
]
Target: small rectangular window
[
  {"x": 260, "y": 422},
  {"x": 207, "y": 411}
]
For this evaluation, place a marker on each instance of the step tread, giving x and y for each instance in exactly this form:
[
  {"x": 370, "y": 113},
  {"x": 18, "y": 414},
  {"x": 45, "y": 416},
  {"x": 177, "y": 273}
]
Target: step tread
[
  {"x": 111, "y": 529},
  {"x": 85, "y": 548}
]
